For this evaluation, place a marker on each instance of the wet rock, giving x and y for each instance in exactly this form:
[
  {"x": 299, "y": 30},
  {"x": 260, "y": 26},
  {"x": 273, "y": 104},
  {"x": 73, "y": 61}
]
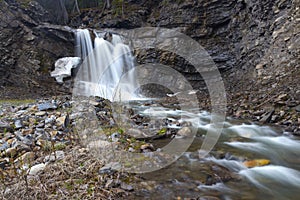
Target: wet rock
[
  {"x": 185, "y": 132},
  {"x": 256, "y": 163},
  {"x": 145, "y": 147},
  {"x": 220, "y": 174}
]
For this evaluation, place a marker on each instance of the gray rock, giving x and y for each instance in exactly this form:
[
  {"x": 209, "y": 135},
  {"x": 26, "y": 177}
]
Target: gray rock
[
  {"x": 41, "y": 113},
  {"x": 185, "y": 132},
  {"x": 57, "y": 155},
  {"x": 34, "y": 170},
  {"x": 18, "y": 124},
  {"x": 266, "y": 118},
  {"x": 297, "y": 108},
  {"x": 126, "y": 186},
  {"x": 4, "y": 126},
  {"x": 47, "y": 106}
]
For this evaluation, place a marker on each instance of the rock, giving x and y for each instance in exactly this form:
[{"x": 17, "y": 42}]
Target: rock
[
  {"x": 63, "y": 121},
  {"x": 34, "y": 170},
  {"x": 47, "y": 106},
  {"x": 41, "y": 113},
  {"x": 50, "y": 120},
  {"x": 136, "y": 133},
  {"x": 282, "y": 97},
  {"x": 27, "y": 131},
  {"x": 297, "y": 108},
  {"x": 147, "y": 146},
  {"x": 256, "y": 163},
  {"x": 26, "y": 158},
  {"x": 57, "y": 155},
  {"x": 11, "y": 152},
  {"x": 18, "y": 124},
  {"x": 110, "y": 168},
  {"x": 4, "y": 126},
  {"x": 100, "y": 144},
  {"x": 266, "y": 118},
  {"x": 185, "y": 132},
  {"x": 126, "y": 186},
  {"x": 4, "y": 146},
  {"x": 63, "y": 67}
]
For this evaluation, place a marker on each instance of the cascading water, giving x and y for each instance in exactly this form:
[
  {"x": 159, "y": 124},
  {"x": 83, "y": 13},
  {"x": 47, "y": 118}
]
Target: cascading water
[{"x": 103, "y": 67}]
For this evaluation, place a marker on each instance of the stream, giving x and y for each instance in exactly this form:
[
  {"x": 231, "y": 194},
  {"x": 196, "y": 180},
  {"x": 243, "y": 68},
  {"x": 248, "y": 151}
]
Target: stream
[{"x": 222, "y": 174}]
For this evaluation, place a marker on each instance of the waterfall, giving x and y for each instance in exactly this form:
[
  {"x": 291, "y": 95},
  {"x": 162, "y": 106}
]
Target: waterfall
[{"x": 104, "y": 64}]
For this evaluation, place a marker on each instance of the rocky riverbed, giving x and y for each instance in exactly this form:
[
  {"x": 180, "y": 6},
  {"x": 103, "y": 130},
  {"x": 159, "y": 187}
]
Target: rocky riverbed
[{"x": 44, "y": 152}]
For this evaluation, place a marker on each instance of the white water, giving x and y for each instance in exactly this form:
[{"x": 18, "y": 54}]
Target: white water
[{"x": 103, "y": 67}]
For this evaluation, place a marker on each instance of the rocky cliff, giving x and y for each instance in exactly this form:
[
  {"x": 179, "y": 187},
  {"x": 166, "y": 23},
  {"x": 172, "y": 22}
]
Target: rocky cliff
[
  {"x": 255, "y": 44},
  {"x": 29, "y": 46}
]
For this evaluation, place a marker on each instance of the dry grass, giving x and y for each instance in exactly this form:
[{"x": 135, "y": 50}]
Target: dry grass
[{"x": 75, "y": 177}]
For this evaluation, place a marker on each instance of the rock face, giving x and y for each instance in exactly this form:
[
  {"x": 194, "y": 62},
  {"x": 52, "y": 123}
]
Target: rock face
[
  {"x": 29, "y": 47},
  {"x": 238, "y": 34},
  {"x": 255, "y": 44}
]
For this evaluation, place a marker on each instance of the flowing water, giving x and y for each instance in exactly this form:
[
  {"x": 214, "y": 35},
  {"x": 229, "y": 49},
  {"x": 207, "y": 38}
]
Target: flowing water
[
  {"x": 222, "y": 173},
  {"x": 189, "y": 176},
  {"x": 105, "y": 62}
]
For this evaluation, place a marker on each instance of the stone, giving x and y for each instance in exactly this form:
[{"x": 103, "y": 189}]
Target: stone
[
  {"x": 47, "y": 106},
  {"x": 41, "y": 113},
  {"x": 136, "y": 133},
  {"x": 110, "y": 168},
  {"x": 61, "y": 121},
  {"x": 50, "y": 120},
  {"x": 57, "y": 155},
  {"x": 100, "y": 144},
  {"x": 18, "y": 124},
  {"x": 26, "y": 158},
  {"x": 4, "y": 126},
  {"x": 185, "y": 132},
  {"x": 126, "y": 186},
  {"x": 11, "y": 152},
  {"x": 256, "y": 163},
  {"x": 266, "y": 118},
  {"x": 34, "y": 170},
  {"x": 297, "y": 108}
]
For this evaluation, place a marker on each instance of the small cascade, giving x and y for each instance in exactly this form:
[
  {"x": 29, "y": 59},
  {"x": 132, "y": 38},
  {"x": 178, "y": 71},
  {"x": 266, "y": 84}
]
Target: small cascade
[{"x": 104, "y": 64}]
